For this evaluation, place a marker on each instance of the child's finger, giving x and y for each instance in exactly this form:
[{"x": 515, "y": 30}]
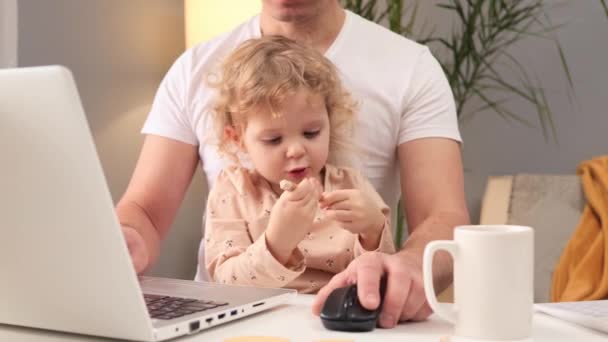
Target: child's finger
[
  {"x": 318, "y": 188},
  {"x": 300, "y": 192},
  {"x": 311, "y": 204},
  {"x": 339, "y": 215},
  {"x": 309, "y": 197},
  {"x": 342, "y": 205},
  {"x": 330, "y": 198}
]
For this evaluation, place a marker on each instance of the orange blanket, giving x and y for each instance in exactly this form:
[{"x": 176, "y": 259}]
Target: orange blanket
[{"x": 582, "y": 271}]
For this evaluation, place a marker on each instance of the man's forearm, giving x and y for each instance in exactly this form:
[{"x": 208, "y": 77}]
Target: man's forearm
[
  {"x": 132, "y": 215},
  {"x": 437, "y": 227}
]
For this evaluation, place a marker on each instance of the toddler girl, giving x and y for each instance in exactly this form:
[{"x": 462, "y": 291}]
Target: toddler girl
[{"x": 281, "y": 107}]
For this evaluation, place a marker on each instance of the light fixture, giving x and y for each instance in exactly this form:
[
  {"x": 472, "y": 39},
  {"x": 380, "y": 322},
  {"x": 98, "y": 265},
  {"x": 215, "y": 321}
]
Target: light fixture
[{"x": 206, "y": 19}]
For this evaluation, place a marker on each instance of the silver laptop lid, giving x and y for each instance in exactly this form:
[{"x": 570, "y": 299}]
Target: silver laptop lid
[{"x": 57, "y": 223}]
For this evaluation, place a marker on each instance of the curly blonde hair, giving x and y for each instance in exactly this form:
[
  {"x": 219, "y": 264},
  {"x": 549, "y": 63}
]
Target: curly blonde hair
[{"x": 261, "y": 73}]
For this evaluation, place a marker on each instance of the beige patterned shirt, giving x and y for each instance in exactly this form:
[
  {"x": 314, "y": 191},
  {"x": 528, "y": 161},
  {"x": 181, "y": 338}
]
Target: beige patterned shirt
[{"x": 238, "y": 210}]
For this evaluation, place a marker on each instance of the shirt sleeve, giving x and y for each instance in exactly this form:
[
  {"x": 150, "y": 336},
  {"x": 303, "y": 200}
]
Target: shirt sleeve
[
  {"x": 386, "y": 244},
  {"x": 169, "y": 116},
  {"x": 231, "y": 256},
  {"x": 428, "y": 108}
]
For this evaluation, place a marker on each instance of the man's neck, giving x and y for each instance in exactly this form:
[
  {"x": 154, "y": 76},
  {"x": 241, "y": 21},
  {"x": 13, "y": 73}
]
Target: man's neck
[{"x": 318, "y": 31}]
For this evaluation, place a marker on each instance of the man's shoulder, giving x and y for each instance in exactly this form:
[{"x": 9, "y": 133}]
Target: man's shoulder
[
  {"x": 375, "y": 34},
  {"x": 384, "y": 55}
]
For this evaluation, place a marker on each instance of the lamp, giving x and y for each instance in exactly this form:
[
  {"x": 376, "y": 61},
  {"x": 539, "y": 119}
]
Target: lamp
[{"x": 208, "y": 18}]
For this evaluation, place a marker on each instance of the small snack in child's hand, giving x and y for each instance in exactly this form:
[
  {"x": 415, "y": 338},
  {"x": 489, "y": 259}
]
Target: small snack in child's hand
[{"x": 287, "y": 185}]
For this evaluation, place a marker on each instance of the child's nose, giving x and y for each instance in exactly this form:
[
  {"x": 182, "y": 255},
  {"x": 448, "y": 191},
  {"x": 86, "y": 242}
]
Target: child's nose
[{"x": 295, "y": 150}]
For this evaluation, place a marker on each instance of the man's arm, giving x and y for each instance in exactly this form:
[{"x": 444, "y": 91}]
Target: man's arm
[
  {"x": 432, "y": 188},
  {"x": 146, "y": 210},
  {"x": 433, "y": 194}
]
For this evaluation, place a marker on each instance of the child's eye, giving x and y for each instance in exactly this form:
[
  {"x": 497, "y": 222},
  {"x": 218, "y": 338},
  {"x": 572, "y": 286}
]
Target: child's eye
[
  {"x": 272, "y": 141},
  {"x": 312, "y": 134}
]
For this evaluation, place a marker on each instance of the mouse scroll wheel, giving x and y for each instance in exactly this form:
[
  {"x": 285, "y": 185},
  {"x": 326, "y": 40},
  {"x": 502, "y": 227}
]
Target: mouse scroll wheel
[{"x": 352, "y": 298}]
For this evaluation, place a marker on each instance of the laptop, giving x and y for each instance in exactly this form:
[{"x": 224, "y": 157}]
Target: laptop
[
  {"x": 591, "y": 314},
  {"x": 64, "y": 264}
]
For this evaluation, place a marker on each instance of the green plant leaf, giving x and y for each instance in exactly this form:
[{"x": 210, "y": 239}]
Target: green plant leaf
[
  {"x": 400, "y": 221},
  {"x": 477, "y": 49}
]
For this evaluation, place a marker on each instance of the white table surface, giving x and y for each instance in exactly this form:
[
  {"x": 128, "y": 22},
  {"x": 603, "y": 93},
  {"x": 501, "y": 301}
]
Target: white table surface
[{"x": 294, "y": 321}]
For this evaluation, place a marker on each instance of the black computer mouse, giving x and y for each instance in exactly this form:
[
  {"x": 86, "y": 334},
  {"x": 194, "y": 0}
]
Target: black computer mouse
[{"x": 342, "y": 310}]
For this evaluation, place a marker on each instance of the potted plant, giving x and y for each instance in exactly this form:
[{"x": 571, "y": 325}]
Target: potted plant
[{"x": 472, "y": 53}]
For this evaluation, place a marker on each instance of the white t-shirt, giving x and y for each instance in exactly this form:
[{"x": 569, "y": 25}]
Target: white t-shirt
[{"x": 400, "y": 88}]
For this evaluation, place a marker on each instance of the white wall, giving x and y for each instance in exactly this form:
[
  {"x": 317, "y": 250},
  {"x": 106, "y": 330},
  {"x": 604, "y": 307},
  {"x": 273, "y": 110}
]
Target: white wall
[
  {"x": 492, "y": 146},
  {"x": 118, "y": 51},
  {"x": 8, "y": 33}
]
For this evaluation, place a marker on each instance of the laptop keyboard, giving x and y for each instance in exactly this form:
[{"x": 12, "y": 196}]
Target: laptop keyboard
[{"x": 165, "y": 307}]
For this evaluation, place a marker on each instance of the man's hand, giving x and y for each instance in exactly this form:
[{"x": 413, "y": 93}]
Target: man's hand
[
  {"x": 137, "y": 248},
  {"x": 404, "y": 299}
]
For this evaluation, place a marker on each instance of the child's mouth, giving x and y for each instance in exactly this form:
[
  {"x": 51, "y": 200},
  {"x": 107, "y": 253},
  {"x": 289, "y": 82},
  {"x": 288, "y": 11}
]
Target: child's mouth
[{"x": 298, "y": 173}]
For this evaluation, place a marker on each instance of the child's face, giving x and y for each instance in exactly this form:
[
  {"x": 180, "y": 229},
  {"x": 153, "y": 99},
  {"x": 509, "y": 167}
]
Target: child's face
[{"x": 294, "y": 145}]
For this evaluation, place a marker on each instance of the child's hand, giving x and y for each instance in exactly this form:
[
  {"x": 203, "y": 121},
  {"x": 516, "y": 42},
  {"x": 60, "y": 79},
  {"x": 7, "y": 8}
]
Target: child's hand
[
  {"x": 291, "y": 218},
  {"x": 356, "y": 211}
]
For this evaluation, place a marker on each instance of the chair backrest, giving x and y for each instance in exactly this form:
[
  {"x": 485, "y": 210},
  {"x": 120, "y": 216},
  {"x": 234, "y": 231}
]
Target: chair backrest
[{"x": 551, "y": 204}]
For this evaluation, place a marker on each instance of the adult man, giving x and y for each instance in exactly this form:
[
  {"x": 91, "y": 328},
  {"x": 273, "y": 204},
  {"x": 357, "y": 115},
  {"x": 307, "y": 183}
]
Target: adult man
[{"x": 406, "y": 114}]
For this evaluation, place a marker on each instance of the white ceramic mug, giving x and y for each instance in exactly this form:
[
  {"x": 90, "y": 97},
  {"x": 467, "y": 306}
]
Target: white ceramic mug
[{"x": 493, "y": 281}]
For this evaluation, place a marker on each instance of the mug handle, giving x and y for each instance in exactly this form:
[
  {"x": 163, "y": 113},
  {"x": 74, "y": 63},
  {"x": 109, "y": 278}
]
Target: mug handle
[{"x": 427, "y": 271}]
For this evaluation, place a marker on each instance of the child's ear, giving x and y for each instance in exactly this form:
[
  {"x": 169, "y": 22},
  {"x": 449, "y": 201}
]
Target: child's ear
[{"x": 234, "y": 136}]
